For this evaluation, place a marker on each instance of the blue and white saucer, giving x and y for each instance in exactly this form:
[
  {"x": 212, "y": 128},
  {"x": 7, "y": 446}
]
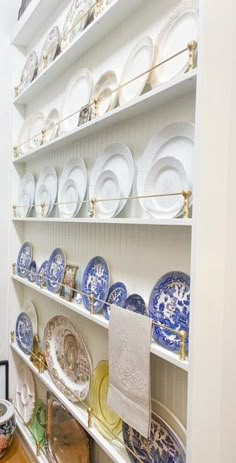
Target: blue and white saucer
[
  {"x": 55, "y": 270},
  {"x": 135, "y": 303},
  {"x": 40, "y": 279},
  {"x": 117, "y": 295},
  {"x": 96, "y": 281},
  {"x": 32, "y": 272},
  {"x": 169, "y": 304},
  {"x": 24, "y": 259},
  {"x": 24, "y": 333}
]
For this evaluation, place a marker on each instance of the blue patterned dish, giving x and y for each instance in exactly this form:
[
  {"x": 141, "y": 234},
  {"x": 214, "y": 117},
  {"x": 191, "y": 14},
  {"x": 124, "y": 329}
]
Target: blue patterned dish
[
  {"x": 55, "y": 270},
  {"x": 163, "y": 446},
  {"x": 42, "y": 274},
  {"x": 24, "y": 259},
  {"x": 24, "y": 333},
  {"x": 169, "y": 304},
  {"x": 96, "y": 281},
  {"x": 32, "y": 272},
  {"x": 135, "y": 303},
  {"x": 117, "y": 295}
]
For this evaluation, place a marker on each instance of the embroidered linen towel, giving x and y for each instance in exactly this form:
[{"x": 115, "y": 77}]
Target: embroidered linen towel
[{"x": 129, "y": 362}]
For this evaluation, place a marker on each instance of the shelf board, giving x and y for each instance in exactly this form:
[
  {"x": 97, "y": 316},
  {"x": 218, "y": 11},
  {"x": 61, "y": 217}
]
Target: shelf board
[
  {"x": 27, "y": 436},
  {"x": 121, "y": 221},
  {"x": 32, "y": 20},
  {"x": 115, "y": 451},
  {"x": 163, "y": 93},
  {"x": 100, "y": 320},
  {"x": 106, "y": 22}
]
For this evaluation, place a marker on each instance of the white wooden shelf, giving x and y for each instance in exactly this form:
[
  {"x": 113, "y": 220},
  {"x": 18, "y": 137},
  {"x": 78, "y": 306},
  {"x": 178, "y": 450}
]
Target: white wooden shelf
[
  {"x": 100, "y": 320},
  {"x": 28, "y": 439},
  {"x": 36, "y": 13},
  {"x": 163, "y": 93},
  {"x": 107, "y": 21},
  {"x": 113, "y": 449},
  {"x": 120, "y": 221}
]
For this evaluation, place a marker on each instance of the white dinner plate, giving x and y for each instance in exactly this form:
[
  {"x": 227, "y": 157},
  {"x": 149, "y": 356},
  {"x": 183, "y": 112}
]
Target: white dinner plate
[
  {"x": 52, "y": 125},
  {"x": 22, "y": 142},
  {"x": 104, "y": 91},
  {"x": 30, "y": 309},
  {"x": 51, "y": 48},
  {"x": 180, "y": 29},
  {"x": 68, "y": 199},
  {"x": 167, "y": 175},
  {"x": 29, "y": 71},
  {"x": 42, "y": 197},
  {"x": 25, "y": 394},
  {"x": 79, "y": 14},
  {"x": 78, "y": 94},
  {"x": 35, "y": 131},
  {"x": 75, "y": 169},
  {"x": 46, "y": 185},
  {"x": 26, "y": 195},
  {"x": 139, "y": 61},
  {"x": 117, "y": 158},
  {"x": 107, "y": 187}
]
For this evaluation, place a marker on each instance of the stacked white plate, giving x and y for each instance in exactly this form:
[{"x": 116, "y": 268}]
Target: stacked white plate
[
  {"x": 52, "y": 124},
  {"x": 72, "y": 188},
  {"x": 105, "y": 92},
  {"x": 46, "y": 191},
  {"x": 26, "y": 195},
  {"x": 112, "y": 177},
  {"x": 166, "y": 167}
]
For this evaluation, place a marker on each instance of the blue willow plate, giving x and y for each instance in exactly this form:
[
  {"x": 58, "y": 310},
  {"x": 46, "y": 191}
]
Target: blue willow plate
[
  {"x": 96, "y": 281},
  {"x": 55, "y": 270},
  {"x": 42, "y": 274},
  {"x": 117, "y": 295},
  {"x": 135, "y": 303},
  {"x": 163, "y": 446},
  {"x": 169, "y": 304},
  {"x": 32, "y": 272},
  {"x": 24, "y": 259},
  {"x": 24, "y": 333}
]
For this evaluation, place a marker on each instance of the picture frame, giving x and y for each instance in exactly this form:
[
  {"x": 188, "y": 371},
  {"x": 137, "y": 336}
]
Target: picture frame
[
  {"x": 67, "y": 290},
  {"x": 4, "y": 379}
]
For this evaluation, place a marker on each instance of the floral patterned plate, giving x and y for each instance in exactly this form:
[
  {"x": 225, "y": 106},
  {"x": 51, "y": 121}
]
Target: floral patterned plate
[
  {"x": 55, "y": 270},
  {"x": 169, "y": 304},
  {"x": 80, "y": 13},
  {"x": 24, "y": 333},
  {"x": 96, "y": 282},
  {"x": 40, "y": 279},
  {"x": 117, "y": 295},
  {"x": 51, "y": 48},
  {"x": 67, "y": 358},
  {"x": 31, "y": 277},
  {"x": 29, "y": 71},
  {"x": 135, "y": 303},
  {"x": 24, "y": 259}
]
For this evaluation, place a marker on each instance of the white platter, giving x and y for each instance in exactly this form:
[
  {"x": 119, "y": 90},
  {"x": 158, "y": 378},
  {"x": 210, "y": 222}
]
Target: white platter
[
  {"x": 104, "y": 91},
  {"x": 180, "y": 29},
  {"x": 68, "y": 199},
  {"x": 25, "y": 394},
  {"x": 26, "y": 195},
  {"x": 42, "y": 197},
  {"x": 76, "y": 20},
  {"x": 35, "y": 131},
  {"x": 139, "y": 61},
  {"x": 75, "y": 169},
  {"x": 52, "y": 125},
  {"x": 51, "y": 48},
  {"x": 29, "y": 71},
  {"x": 117, "y": 158},
  {"x": 47, "y": 182},
  {"x": 78, "y": 94},
  {"x": 30, "y": 309},
  {"x": 107, "y": 187}
]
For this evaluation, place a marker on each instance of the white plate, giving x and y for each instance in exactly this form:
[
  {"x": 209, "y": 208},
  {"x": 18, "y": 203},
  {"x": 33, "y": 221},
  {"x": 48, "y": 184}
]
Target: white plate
[
  {"x": 79, "y": 14},
  {"x": 139, "y": 61},
  {"x": 42, "y": 197},
  {"x": 117, "y": 158},
  {"x": 47, "y": 182},
  {"x": 35, "y": 131},
  {"x": 30, "y": 309},
  {"x": 176, "y": 140},
  {"x": 25, "y": 394},
  {"x": 77, "y": 95},
  {"x": 103, "y": 89},
  {"x": 107, "y": 187},
  {"x": 180, "y": 29},
  {"x": 26, "y": 194},
  {"x": 23, "y": 145},
  {"x": 167, "y": 175},
  {"x": 29, "y": 71},
  {"x": 51, "y": 48},
  {"x": 75, "y": 169},
  {"x": 68, "y": 199},
  {"x": 52, "y": 125}
]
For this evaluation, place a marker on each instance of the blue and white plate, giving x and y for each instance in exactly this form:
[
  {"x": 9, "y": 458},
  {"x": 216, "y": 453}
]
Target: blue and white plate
[
  {"x": 32, "y": 272},
  {"x": 135, "y": 303},
  {"x": 24, "y": 333},
  {"x": 24, "y": 259},
  {"x": 163, "y": 445},
  {"x": 169, "y": 304},
  {"x": 117, "y": 295},
  {"x": 96, "y": 281},
  {"x": 42, "y": 274},
  {"x": 55, "y": 270}
]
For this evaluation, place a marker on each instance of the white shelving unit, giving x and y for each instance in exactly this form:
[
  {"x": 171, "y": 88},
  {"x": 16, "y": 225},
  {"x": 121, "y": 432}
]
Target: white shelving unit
[{"x": 114, "y": 221}]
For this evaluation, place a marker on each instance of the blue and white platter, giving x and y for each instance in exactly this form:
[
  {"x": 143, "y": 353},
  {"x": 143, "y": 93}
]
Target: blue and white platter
[
  {"x": 96, "y": 282},
  {"x": 24, "y": 259},
  {"x": 40, "y": 279},
  {"x": 32, "y": 272},
  {"x": 55, "y": 270},
  {"x": 163, "y": 445},
  {"x": 117, "y": 295},
  {"x": 169, "y": 304},
  {"x": 135, "y": 303},
  {"x": 24, "y": 333}
]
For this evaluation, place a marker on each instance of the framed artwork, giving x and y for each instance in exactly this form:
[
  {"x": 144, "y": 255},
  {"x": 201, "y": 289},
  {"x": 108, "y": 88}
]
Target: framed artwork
[
  {"x": 67, "y": 290},
  {"x": 4, "y": 379}
]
